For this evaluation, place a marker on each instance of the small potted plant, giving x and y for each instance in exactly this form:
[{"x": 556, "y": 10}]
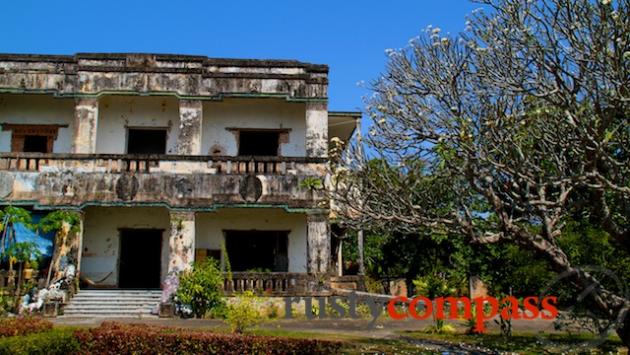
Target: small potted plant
[
  {"x": 30, "y": 267},
  {"x": 24, "y": 253}
]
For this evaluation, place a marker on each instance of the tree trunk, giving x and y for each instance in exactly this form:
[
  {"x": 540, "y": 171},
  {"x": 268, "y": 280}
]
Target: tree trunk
[
  {"x": 624, "y": 330},
  {"x": 360, "y": 252}
]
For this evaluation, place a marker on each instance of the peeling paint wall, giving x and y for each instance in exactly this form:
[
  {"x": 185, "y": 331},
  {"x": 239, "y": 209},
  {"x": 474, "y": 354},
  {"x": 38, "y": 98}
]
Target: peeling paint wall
[
  {"x": 210, "y": 227},
  {"x": 316, "y": 129},
  {"x": 181, "y": 242},
  {"x": 190, "y": 120},
  {"x": 38, "y": 109},
  {"x": 119, "y": 112},
  {"x": 318, "y": 237},
  {"x": 101, "y": 238},
  {"x": 252, "y": 113}
]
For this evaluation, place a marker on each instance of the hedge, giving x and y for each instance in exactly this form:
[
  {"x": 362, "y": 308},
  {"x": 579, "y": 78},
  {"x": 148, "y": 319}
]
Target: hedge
[
  {"x": 22, "y": 326},
  {"x": 116, "y": 338},
  {"x": 53, "y": 342}
]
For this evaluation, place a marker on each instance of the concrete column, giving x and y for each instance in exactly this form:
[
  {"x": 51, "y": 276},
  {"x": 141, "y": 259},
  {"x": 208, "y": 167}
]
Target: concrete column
[
  {"x": 190, "y": 120},
  {"x": 316, "y": 129},
  {"x": 181, "y": 242},
  {"x": 318, "y": 243},
  {"x": 85, "y": 125},
  {"x": 79, "y": 242}
]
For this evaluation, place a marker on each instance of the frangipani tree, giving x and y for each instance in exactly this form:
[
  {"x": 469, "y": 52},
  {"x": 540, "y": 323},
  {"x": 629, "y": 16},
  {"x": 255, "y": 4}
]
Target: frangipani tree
[{"x": 504, "y": 133}]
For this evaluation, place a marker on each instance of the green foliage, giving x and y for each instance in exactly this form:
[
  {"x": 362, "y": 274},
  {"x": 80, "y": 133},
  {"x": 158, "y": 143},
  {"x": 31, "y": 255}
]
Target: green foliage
[
  {"x": 311, "y": 183},
  {"x": 54, "y": 221},
  {"x": 23, "y": 251},
  {"x": 15, "y": 215},
  {"x": 226, "y": 262},
  {"x": 433, "y": 286},
  {"x": 201, "y": 288},
  {"x": 51, "y": 342},
  {"x": 243, "y": 312},
  {"x": 7, "y": 303}
]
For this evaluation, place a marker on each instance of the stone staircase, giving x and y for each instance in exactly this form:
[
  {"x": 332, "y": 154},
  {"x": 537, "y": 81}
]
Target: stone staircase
[{"x": 113, "y": 304}]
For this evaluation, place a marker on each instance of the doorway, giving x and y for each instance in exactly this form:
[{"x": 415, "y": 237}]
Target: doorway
[
  {"x": 140, "y": 258},
  {"x": 257, "y": 251}
]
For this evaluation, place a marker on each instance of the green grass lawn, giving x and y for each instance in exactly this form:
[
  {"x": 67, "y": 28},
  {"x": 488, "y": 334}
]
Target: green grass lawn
[{"x": 416, "y": 342}]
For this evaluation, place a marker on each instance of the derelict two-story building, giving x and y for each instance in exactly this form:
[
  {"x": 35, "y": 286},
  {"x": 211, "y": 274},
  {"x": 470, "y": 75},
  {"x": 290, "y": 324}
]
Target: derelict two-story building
[{"x": 174, "y": 158}]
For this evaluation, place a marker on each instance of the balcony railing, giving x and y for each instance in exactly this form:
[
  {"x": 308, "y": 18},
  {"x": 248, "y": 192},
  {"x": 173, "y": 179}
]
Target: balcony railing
[
  {"x": 274, "y": 284},
  {"x": 204, "y": 182},
  {"x": 119, "y": 163}
]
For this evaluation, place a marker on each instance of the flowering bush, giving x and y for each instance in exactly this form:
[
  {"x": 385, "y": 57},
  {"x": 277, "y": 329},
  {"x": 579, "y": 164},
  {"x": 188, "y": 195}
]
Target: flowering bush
[
  {"x": 22, "y": 326},
  {"x": 243, "y": 312},
  {"x": 116, "y": 338}
]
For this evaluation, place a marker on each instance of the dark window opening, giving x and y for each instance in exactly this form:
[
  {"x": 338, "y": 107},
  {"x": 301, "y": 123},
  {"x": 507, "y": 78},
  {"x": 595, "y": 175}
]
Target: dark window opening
[
  {"x": 35, "y": 144},
  {"x": 258, "y": 143},
  {"x": 257, "y": 251},
  {"x": 146, "y": 141}
]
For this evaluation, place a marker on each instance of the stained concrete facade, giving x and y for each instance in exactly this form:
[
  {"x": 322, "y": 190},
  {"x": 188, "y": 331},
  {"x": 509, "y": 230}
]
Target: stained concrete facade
[{"x": 200, "y": 187}]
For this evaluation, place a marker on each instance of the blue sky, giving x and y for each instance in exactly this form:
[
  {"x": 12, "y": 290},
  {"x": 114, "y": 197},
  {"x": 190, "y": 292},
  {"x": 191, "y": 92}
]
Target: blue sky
[{"x": 350, "y": 37}]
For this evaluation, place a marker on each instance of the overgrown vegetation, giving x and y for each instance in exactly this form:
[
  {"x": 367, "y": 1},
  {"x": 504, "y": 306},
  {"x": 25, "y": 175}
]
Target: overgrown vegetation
[
  {"x": 201, "y": 289},
  {"x": 244, "y": 312}
]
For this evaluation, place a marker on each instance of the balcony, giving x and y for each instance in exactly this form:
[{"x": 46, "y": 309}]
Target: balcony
[{"x": 202, "y": 182}]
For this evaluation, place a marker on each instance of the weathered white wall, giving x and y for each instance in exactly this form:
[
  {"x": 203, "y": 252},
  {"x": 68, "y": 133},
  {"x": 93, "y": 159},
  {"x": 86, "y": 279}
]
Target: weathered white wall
[
  {"x": 116, "y": 113},
  {"x": 37, "y": 109},
  {"x": 101, "y": 240},
  {"x": 210, "y": 227},
  {"x": 252, "y": 113}
]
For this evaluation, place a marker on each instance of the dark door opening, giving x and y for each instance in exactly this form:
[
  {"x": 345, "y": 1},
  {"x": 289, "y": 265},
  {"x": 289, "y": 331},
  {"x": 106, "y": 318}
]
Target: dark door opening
[
  {"x": 258, "y": 143},
  {"x": 257, "y": 250},
  {"x": 146, "y": 141},
  {"x": 140, "y": 258},
  {"x": 35, "y": 144}
]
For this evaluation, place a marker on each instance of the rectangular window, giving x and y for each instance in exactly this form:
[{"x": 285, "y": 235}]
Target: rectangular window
[
  {"x": 257, "y": 250},
  {"x": 32, "y": 138},
  {"x": 146, "y": 141},
  {"x": 36, "y": 144},
  {"x": 258, "y": 143}
]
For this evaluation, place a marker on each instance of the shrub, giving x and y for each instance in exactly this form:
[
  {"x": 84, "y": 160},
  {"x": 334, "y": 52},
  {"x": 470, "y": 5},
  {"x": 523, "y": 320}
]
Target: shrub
[
  {"x": 116, "y": 338},
  {"x": 201, "y": 288},
  {"x": 243, "y": 313},
  {"x": 23, "y": 326},
  {"x": 52, "y": 342}
]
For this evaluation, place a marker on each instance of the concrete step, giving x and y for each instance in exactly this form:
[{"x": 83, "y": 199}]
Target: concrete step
[
  {"x": 125, "y": 298},
  {"x": 122, "y": 293},
  {"x": 110, "y": 316},
  {"x": 113, "y": 303},
  {"x": 107, "y": 306}
]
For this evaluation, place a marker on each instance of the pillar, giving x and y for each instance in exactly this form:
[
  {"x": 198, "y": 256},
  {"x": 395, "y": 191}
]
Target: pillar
[
  {"x": 181, "y": 241},
  {"x": 79, "y": 241},
  {"x": 340, "y": 258},
  {"x": 190, "y": 121},
  {"x": 317, "y": 243},
  {"x": 316, "y": 129},
  {"x": 85, "y": 125}
]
